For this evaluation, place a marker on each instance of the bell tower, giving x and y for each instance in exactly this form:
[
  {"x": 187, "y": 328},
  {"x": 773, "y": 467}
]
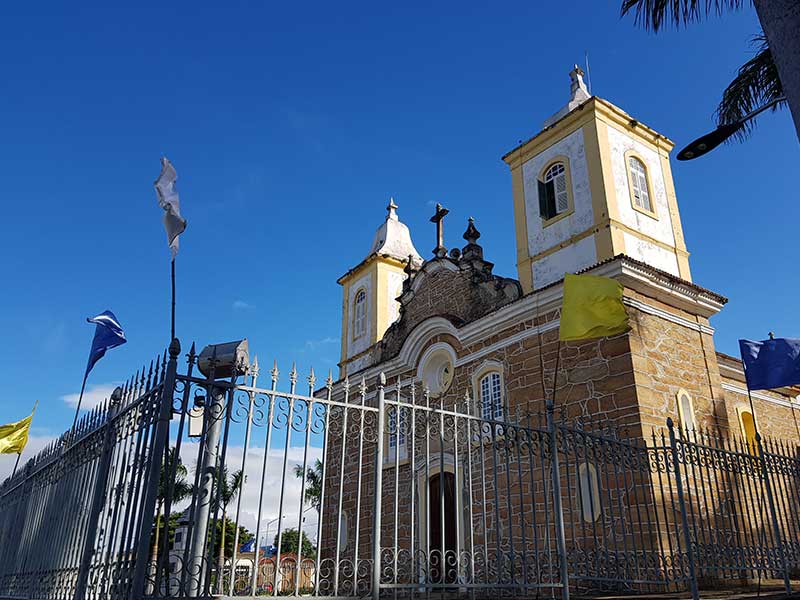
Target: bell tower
[
  {"x": 371, "y": 288},
  {"x": 592, "y": 184}
]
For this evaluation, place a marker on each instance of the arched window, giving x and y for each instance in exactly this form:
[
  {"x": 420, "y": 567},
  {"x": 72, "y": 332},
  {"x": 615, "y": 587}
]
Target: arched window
[
  {"x": 360, "y": 315},
  {"x": 557, "y": 174},
  {"x": 639, "y": 186},
  {"x": 686, "y": 410},
  {"x": 589, "y": 492},
  {"x": 491, "y": 396},
  {"x": 748, "y": 429}
]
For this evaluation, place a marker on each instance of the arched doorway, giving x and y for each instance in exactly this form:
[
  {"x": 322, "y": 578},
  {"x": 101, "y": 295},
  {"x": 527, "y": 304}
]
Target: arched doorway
[{"x": 443, "y": 558}]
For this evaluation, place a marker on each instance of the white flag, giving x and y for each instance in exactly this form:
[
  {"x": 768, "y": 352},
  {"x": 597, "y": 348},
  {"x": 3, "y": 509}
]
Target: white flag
[{"x": 167, "y": 192}]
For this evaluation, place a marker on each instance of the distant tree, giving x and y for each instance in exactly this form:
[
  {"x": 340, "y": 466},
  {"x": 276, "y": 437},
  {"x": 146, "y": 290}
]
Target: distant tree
[
  {"x": 313, "y": 483},
  {"x": 180, "y": 489},
  {"x": 756, "y": 82},
  {"x": 229, "y": 487},
  {"x": 289, "y": 539}
]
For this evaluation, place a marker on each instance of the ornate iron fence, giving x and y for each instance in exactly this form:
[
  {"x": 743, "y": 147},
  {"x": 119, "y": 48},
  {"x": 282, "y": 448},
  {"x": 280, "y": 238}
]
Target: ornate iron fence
[{"x": 352, "y": 490}]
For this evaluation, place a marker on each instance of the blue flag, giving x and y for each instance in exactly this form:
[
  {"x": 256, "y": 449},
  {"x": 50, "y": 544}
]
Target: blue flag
[
  {"x": 249, "y": 546},
  {"x": 771, "y": 364},
  {"x": 107, "y": 334}
]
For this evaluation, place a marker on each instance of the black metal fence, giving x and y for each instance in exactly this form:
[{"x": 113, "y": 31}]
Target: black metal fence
[{"x": 185, "y": 485}]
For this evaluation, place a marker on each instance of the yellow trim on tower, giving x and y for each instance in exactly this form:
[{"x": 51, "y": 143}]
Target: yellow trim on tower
[
  {"x": 521, "y": 229},
  {"x": 675, "y": 217}
]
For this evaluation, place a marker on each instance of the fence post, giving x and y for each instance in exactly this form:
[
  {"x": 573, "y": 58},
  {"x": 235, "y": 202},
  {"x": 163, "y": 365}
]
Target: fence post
[
  {"x": 376, "y": 509},
  {"x": 154, "y": 476},
  {"x": 773, "y": 514},
  {"x": 558, "y": 507},
  {"x": 673, "y": 442},
  {"x": 98, "y": 496}
]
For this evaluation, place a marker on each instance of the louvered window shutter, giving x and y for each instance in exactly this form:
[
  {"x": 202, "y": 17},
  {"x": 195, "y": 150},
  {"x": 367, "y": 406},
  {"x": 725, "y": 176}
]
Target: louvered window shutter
[{"x": 547, "y": 200}]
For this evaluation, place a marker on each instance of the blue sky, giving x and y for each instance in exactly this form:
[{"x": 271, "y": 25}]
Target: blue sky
[{"x": 290, "y": 125}]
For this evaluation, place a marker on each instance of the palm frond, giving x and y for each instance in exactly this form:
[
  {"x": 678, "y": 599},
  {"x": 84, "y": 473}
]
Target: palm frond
[
  {"x": 756, "y": 83},
  {"x": 657, "y": 14}
]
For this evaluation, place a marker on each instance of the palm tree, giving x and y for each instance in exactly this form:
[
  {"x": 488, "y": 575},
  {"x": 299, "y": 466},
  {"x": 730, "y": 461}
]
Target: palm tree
[
  {"x": 313, "y": 484},
  {"x": 229, "y": 487},
  {"x": 756, "y": 83},
  {"x": 181, "y": 489}
]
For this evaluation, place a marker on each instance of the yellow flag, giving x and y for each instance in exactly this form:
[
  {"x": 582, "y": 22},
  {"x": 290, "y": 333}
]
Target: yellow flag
[
  {"x": 14, "y": 436},
  {"x": 592, "y": 308}
]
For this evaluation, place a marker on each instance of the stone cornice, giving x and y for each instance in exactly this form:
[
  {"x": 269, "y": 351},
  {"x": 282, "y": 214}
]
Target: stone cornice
[{"x": 660, "y": 285}]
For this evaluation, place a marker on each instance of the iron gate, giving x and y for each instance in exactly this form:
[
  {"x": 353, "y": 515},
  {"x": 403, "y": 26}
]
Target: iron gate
[{"x": 184, "y": 485}]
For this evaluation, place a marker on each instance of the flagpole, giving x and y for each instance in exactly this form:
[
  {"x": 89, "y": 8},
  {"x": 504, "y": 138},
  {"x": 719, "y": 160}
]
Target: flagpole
[
  {"x": 78, "y": 408},
  {"x": 172, "y": 330},
  {"x": 555, "y": 374},
  {"x": 16, "y": 464}
]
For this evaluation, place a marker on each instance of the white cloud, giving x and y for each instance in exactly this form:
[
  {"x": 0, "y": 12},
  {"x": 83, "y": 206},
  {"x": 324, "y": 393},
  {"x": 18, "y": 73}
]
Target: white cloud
[
  {"x": 315, "y": 344},
  {"x": 270, "y": 483},
  {"x": 35, "y": 444},
  {"x": 94, "y": 395},
  {"x": 241, "y": 305}
]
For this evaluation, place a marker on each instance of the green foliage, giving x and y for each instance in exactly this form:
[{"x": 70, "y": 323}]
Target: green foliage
[
  {"x": 289, "y": 539},
  {"x": 313, "y": 494},
  {"x": 230, "y": 528},
  {"x": 756, "y": 82},
  {"x": 658, "y": 14}
]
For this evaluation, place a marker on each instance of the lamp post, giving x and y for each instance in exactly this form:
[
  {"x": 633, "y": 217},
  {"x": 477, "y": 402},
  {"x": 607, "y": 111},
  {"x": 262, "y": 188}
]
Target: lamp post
[{"x": 709, "y": 141}]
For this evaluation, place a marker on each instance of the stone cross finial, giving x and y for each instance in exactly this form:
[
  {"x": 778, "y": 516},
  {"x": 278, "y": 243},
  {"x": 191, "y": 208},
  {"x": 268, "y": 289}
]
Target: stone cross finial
[
  {"x": 440, "y": 251},
  {"x": 577, "y": 87},
  {"x": 392, "y": 209}
]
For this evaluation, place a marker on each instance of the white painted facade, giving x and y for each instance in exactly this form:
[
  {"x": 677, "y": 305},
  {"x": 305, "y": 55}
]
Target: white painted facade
[
  {"x": 394, "y": 287},
  {"x": 659, "y": 227},
  {"x": 577, "y": 256}
]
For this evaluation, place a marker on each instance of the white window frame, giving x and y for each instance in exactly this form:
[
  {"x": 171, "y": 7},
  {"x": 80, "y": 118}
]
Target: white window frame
[
  {"x": 400, "y": 435},
  {"x": 490, "y": 388},
  {"x": 557, "y": 173},
  {"x": 640, "y": 185},
  {"x": 360, "y": 314},
  {"x": 487, "y": 369},
  {"x": 688, "y": 421}
]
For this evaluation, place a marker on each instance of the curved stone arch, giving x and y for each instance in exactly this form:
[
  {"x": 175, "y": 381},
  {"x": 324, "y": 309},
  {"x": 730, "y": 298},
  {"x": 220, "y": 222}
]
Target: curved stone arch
[{"x": 415, "y": 344}]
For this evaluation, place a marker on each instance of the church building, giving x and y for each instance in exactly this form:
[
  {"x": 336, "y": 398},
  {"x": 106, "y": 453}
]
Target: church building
[{"x": 592, "y": 192}]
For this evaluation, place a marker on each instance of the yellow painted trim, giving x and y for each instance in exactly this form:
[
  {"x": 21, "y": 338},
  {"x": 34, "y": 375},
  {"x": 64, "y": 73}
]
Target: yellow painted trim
[
  {"x": 601, "y": 187},
  {"x": 521, "y": 229},
  {"x": 573, "y": 239},
  {"x": 675, "y": 217},
  {"x": 683, "y": 420},
  {"x": 643, "y": 236},
  {"x": 553, "y": 134},
  {"x": 629, "y": 154},
  {"x": 345, "y": 320},
  {"x": 594, "y": 108},
  {"x": 568, "y": 176}
]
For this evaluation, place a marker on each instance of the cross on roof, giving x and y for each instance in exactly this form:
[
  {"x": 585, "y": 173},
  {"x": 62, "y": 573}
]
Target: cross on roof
[{"x": 438, "y": 218}]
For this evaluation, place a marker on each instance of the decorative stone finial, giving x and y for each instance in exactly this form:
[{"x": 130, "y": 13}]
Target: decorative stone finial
[
  {"x": 392, "y": 209},
  {"x": 578, "y": 94},
  {"x": 472, "y": 249},
  {"x": 576, "y": 82}
]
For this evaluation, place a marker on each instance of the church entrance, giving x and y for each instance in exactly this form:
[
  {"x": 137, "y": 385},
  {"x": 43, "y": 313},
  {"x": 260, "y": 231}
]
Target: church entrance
[{"x": 443, "y": 557}]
